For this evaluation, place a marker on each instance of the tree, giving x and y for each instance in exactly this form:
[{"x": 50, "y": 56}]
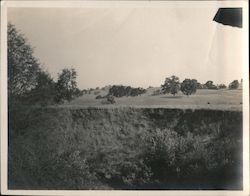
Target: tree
[
  {"x": 157, "y": 92},
  {"x": 222, "y": 86},
  {"x": 234, "y": 84},
  {"x": 171, "y": 85},
  {"x": 23, "y": 67},
  {"x": 120, "y": 91},
  {"x": 210, "y": 85},
  {"x": 189, "y": 86},
  {"x": 199, "y": 85},
  {"x": 44, "y": 92},
  {"x": 66, "y": 86}
]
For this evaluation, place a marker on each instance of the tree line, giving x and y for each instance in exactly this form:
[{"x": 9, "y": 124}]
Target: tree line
[{"x": 173, "y": 85}]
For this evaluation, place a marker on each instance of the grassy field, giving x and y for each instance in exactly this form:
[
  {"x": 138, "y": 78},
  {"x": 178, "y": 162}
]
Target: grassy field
[{"x": 208, "y": 99}]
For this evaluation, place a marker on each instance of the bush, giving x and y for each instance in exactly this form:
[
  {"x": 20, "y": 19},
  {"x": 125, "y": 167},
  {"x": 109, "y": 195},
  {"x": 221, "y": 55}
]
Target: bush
[
  {"x": 159, "y": 152},
  {"x": 109, "y": 100},
  {"x": 99, "y": 97}
]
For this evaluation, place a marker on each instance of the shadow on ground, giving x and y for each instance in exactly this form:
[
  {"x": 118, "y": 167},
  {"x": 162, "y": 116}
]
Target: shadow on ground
[{"x": 172, "y": 97}]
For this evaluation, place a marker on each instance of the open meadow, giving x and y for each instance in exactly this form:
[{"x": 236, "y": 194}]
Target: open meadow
[{"x": 222, "y": 99}]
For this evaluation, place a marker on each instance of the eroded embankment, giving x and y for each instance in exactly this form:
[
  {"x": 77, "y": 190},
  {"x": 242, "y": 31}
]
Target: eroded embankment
[{"x": 124, "y": 148}]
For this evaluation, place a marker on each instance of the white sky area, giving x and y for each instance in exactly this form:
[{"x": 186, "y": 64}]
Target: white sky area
[{"x": 132, "y": 46}]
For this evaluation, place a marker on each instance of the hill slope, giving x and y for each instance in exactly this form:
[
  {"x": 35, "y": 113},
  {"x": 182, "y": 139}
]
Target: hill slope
[{"x": 125, "y": 148}]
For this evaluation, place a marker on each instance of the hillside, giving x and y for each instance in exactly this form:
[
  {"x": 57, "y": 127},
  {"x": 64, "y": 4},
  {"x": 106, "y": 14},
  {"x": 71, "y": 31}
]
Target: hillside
[{"x": 124, "y": 148}]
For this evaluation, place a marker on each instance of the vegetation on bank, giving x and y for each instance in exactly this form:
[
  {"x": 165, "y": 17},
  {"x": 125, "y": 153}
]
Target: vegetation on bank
[{"x": 125, "y": 148}]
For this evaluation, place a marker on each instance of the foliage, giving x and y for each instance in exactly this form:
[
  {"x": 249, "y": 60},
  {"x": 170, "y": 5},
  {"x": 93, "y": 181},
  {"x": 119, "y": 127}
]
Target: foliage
[
  {"x": 120, "y": 91},
  {"x": 159, "y": 152},
  {"x": 222, "y": 86},
  {"x": 171, "y": 85},
  {"x": 28, "y": 83},
  {"x": 210, "y": 85},
  {"x": 110, "y": 99},
  {"x": 157, "y": 92},
  {"x": 66, "y": 86},
  {"x": 44, "y": 91},
  {"x": 63, "y": 150},
  {"x": 234, "y": 84},
  {"x": 189, "y": 86},
  {"x": 23, "y": 67},
  {"x": 199, "y": 85},
  {"x": 96, "y": 92},
  {"x": 99, "y": 97}
]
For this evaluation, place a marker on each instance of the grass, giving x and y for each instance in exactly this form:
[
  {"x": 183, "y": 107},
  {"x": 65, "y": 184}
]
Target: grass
[{"x": 223, "y": 99}]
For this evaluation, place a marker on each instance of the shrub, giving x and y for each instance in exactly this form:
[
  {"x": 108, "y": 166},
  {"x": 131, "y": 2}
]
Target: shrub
[
  {"x": 99, "y": 97},
  {"x": 109, "y": 100},
  {"x": 159, "y": 152}
]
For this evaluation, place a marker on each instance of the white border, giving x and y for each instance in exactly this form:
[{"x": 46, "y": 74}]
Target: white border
[{"x": 88, "y": 4}]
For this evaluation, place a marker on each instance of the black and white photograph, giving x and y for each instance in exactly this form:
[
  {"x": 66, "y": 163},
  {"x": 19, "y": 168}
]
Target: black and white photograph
[{"x": 124, "y": 95}]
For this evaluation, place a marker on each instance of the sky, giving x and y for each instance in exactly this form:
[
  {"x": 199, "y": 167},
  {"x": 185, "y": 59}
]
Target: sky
[{"x": 138, "y": 46}]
